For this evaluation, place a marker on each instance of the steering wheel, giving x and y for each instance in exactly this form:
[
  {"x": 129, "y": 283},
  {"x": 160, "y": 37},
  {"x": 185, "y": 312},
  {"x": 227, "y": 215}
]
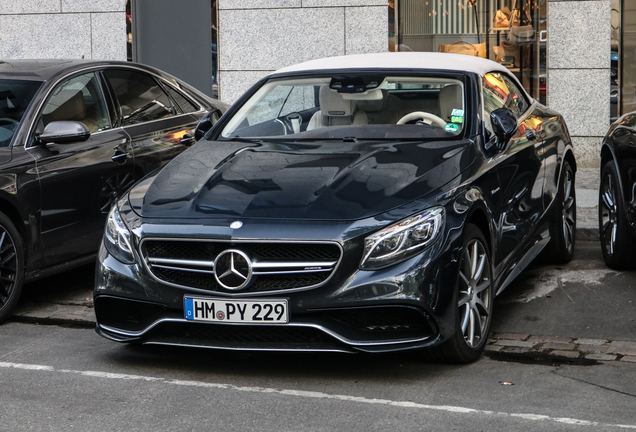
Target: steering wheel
[
  {"x": 8, "y": 120},
  {"x": 432, "y": 118}
]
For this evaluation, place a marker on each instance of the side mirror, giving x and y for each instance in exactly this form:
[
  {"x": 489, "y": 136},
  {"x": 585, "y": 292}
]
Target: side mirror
[
  {"x": 206, "y": 123},
  {"x": 504, "y": 124},
  {"x": 64, "y": 132}
]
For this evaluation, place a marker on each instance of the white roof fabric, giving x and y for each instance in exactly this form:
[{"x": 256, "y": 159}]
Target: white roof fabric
[{"x": 400, "y": 60}]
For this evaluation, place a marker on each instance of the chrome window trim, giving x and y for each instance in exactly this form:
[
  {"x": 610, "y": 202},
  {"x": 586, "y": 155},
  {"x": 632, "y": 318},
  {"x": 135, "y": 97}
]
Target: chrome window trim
[{"x": 148, "y": 269}]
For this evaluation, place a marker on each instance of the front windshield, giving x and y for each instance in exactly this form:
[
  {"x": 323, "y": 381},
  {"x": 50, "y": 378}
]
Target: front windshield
[
  {"x": 15, "y": 97},
  {"x": 363, "y": 106}
]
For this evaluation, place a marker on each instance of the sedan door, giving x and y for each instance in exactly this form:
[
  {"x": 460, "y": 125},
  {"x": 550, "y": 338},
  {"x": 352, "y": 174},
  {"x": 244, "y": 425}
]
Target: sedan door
[
  {"x": 519, "y": 168},
  {"x": 159, "y": 119},
  {"x": 79, "y": 181}
]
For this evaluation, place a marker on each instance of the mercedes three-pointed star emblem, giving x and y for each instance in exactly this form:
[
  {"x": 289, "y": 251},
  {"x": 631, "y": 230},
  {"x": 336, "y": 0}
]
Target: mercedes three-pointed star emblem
[{"x": 233, "y": 269}]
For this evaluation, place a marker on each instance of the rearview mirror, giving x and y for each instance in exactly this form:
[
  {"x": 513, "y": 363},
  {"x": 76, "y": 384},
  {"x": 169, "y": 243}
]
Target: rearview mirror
[
  {"x": 504, "y": 124},
  {"x": 206, "y": 123},
  {"x": 64, "y": 132}
]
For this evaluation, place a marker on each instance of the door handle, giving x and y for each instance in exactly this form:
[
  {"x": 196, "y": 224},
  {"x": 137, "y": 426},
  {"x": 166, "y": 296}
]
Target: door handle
[{"x": 187, "y": 140}]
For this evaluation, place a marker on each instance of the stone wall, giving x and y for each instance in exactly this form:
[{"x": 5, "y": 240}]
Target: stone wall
[
  {"x": 579, "y": 48},
  {"x": 92, "y": 29},
  {"x": 260, "y": 36}
]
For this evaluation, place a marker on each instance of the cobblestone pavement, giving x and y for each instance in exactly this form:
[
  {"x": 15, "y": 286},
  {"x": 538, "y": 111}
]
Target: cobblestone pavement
[{"x": 563, "y": 347}]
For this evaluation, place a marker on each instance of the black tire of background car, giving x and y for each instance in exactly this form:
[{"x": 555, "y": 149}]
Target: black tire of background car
[
  {"x": 621, "y": 257},
  {"x": 560, "y": 249},
  {"x": 456, "y": 349},
  {"x": 11, "y": 266}
]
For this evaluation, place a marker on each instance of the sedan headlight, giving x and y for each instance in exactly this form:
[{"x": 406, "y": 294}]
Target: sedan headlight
[
  {"x": 117, "y": 238},
  {"x": 402, "y": 240}
]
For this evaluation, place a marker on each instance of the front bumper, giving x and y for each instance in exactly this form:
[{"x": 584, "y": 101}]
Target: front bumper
[{"x": 406, "y": 306}]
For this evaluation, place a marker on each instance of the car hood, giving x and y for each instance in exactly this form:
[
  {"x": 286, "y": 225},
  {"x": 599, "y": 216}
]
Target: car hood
[{"x": 330, "y": 180}]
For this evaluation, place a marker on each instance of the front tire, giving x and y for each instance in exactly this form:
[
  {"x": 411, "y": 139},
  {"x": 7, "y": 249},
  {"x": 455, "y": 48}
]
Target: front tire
[
  {"x": 11, "y": 266},
  {"x": 616, "y": 241},
  {"x": 473, "y": 303}
]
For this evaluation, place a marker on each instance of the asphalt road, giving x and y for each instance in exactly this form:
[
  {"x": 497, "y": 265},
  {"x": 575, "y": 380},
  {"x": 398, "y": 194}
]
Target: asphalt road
[{"x": 65, "y": 377}]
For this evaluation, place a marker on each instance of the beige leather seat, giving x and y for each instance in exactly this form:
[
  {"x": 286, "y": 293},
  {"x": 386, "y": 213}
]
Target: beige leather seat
[
  {"x": 336, "y": 111},
  {"x": 450, "y": 97},
  {"x": 68, "y": 105}
]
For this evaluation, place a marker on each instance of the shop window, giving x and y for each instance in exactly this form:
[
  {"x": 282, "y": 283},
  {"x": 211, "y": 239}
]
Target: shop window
[{"x": 510, "y": 32}]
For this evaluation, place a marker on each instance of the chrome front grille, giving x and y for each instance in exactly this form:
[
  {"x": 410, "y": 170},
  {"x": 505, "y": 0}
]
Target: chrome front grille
[{"x": 273, "y": 266}]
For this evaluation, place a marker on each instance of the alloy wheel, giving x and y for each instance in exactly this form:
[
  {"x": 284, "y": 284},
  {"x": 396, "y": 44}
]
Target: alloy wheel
[
  {"x": 8, "y": 267},
  {"x": 475, "y": 302},
  {"x": 113, "y": 189},
  {"x": 569, "y": 209},
  {"x": 609, "y": 211}
]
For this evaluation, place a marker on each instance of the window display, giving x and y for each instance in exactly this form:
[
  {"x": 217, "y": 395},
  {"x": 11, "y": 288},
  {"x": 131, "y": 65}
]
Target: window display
[{"x": 510, "y": 32}]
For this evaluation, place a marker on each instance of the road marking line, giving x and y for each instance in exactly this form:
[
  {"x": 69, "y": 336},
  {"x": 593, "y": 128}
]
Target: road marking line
[{"x": 313, "y": 394}]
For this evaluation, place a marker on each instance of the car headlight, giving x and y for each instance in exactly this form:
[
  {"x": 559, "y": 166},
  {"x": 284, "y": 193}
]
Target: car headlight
[
  {"x": 117, "y": 238},
  {"x": 402, "y": 240}
]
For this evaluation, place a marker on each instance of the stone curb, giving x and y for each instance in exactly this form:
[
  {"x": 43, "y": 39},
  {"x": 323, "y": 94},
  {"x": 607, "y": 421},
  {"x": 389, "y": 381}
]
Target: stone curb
[
  {"x": 55, "y": 314},
  {"x": 596, "y": 349}
]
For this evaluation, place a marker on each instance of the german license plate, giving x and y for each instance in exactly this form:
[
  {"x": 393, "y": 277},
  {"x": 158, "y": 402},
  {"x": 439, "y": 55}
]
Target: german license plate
[{"x": 228, "y": 311}]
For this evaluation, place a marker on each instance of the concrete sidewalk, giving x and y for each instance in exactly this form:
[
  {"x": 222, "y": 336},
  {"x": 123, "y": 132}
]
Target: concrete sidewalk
[
  {"x": 587, "y": 185},
  {"x": 67, "y": 299}
]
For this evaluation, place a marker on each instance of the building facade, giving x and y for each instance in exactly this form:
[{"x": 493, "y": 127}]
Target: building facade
[{"x": 567, "y": 53}]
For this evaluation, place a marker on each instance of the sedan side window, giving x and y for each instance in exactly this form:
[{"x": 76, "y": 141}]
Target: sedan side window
[
  {"x": 140, "y": 97},
  {"x": 183, "y": 102},
  {"x": 78, "y": 99}
]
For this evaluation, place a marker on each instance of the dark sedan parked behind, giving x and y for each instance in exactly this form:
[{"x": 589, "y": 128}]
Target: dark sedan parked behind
[
  {"x": 74, "y": 136},
  {"x": 617, "y": 194},
  {"x": 363, "y": 203}
]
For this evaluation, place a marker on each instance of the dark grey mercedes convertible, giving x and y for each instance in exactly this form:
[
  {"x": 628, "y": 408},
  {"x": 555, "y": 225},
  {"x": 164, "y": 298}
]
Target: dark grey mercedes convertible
[{"x": 363, "y": 203}]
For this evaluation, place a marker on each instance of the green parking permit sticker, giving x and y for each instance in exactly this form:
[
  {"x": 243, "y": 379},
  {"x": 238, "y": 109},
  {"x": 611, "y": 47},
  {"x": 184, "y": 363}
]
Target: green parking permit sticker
[
  {"x": 451, "y": 127},
  {"x": 457, "y": 119}
]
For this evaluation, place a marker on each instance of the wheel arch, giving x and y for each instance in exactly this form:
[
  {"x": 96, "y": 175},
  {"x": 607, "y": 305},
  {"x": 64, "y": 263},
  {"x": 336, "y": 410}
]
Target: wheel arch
[
  {"x": 14, "y": 215},
  {"x": 608, "y": 155},
  {"x": 478, "y": 217}
]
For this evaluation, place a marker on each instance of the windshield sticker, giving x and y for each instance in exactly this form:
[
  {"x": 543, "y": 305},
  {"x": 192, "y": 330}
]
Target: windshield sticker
[
  {"x": 458, "y": 112},
  {"x": 451, "y": 127},
  {"x": 457, "y": 119}
]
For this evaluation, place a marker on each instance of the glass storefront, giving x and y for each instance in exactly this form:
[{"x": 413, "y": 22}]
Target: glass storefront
[
  {"x": 510, "y": 32},
  {"x": 624, "y": 83}
]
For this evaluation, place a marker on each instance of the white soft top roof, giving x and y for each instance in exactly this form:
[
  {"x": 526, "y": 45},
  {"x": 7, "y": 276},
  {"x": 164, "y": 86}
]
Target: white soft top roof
[{"x": 400, "y": 60}]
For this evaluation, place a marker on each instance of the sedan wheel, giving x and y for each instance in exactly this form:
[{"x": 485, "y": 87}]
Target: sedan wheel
[
  {"x": 616, "y": 241},
  {"x": 475, "y": 297},
  {"x": 11, "y": 266},
  {"x": 114, "y": 187}
]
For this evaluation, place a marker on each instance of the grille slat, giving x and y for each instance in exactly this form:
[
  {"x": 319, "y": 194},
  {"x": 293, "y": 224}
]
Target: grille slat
[{"x": 275, "y": 254}]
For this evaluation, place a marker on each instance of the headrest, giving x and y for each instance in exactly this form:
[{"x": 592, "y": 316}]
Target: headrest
[
  {"x": 371, "y": 105},
  {"x": 450, "y": 98},
  {"x": 332, "y": 104},
  {"x": 71, "y": 106}
]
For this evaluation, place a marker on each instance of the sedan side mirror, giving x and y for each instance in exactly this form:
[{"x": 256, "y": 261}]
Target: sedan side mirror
[
  {"x": 64, "y": 132},
  {"x": 206, "y": 123},
  {"x": 504, "y": 124}
]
